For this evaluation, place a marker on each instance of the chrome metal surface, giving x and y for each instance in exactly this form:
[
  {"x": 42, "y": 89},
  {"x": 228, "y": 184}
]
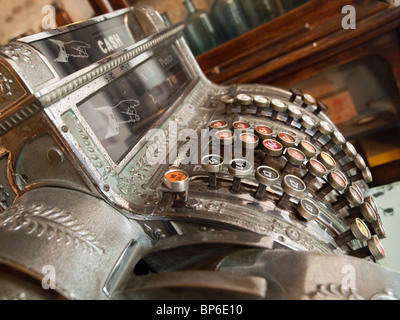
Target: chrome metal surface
[{"x": 77, "y": 222}]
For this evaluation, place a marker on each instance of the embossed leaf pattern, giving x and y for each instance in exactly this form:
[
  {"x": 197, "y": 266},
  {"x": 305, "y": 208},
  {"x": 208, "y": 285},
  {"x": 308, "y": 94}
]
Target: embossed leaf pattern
[
  {"x": 52, "y": 223},
  {"x": 335, "y": 292}
]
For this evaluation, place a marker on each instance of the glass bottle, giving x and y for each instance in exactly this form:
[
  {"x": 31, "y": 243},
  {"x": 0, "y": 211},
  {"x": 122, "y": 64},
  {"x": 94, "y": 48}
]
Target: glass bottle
[
  {"x": 199, "y": 32},
  {"x": 229, "y": 17},
  {"x": 260, "y": 11}
]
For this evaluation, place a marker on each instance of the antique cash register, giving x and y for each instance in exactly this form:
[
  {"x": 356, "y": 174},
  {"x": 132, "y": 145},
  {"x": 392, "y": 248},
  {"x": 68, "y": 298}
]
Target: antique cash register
[{"x": 126, "y": 174}]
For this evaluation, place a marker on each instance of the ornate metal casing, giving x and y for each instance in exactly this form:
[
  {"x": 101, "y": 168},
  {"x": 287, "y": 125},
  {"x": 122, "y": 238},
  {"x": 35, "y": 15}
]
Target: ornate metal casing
[{"x": 103, "y": 128}]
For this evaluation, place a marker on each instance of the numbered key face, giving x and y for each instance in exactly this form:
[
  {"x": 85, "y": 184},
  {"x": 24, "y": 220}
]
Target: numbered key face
[
  {"x": 286, "y": 139},
  {"x": 272, "y": 147},
  {"x": 267, "y": 175},
  {"x": 316, "y": 168},
  {"x": 307, "y": 148},
  {"x": 249, "y": 140},
  {"x": 212, "y": 163},
  {"x": 363, "y": 232},
  {"x": 240, "y": 167},
  {"x": 293, "y": 186},
  {"x": 176, "y": 180},
  {"x": 244, "y": 99},
  {"x": 261, "y": 101},
  {"x": 294, "y": 183},
  {"x": 324, "y": 127},
  {"x": 227, "y": 99},
  {"x": 308, "y": 209},
  {"x": 377, "y": 249},
  {"x": 294, "y": 112},
  {"x": 219, "y": 124},
  {"x": 307, "y": 122},
  {"x": 373, "y": 204},
  {"x": 295, "y": 156},
  {"x": 354, "y": 197},
  {"x": 278, "y": 105},
  {"x": 263, "y": 132},
  {"x": 176, "y": 176},
  {"x": 225, "y": 137},
  {"x": 309, "y": 99},
  {"x": 241, "y": 126},
  {"x": 368, "y": 212},
  {"x": 327, "y": 160},
  {"x": 337, "y": 180}
]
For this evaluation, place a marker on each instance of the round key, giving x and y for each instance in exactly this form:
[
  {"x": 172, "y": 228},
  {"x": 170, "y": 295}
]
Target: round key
[
  {"x": 239, "y": 169},
  {"x": 261, "y": 103},
  {"x": 315, "y": 169},
  {"x": 249, "y": 140},
  {"x": 373, "y": 248},
  {"x": 323, "y": 129},
  {"x": 347, "y": 150},
  {"x": 228, "y": 102},
  {"x": 266, "y": 176},
  {"x": 244, "y": 100},
  {"x": 219, "y": 124},
  {"x": 307, "y": 123},
  {"x": 359, "y": 191},
  {"x": 176, "y": 180},
  {"x": 307, "y": 209},
  {"x": 212, "y": 164},
  {"x": 286, "y": 139},
  {"x": 358, "y": 162},
  {"x": 240, "y": 127},
  {"x": 327, "y": 160},
  {"x": 335, "y": 181},
  {"x": 225, "y": 137},
  {"x": 292, "y": 187},
  {"x": 308, "y": 100},
  {"x": 296, "y": 93},
  {"x": 263, "y": 132},
  {"x": 364, "y": 212},
  {"x": 293, "y": 113},
  {"x": 295, "y": 158},
  {"x": 277, "y": 107},
  {"x": 372, "y": 203},
  {"x": 350, "y": 197},
  {"x": 377, "y": 227},
  {"x": 358, "y": 231},
  {"x": 307, "y": 148},
  {"x": 365, "y": 175},
  {"x": 272, "y": 147},
  {"x": 336, "y": 140}
]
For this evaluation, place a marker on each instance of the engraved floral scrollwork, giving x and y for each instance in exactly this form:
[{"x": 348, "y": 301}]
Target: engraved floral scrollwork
[
  {"x": 51, "y": 223},
  {"x": 279, "y": 227},
  {"x": 4, "y": 195},
  {"x": 210, "y": 206},
  {"x": 5, "y": 85},
  {"x": 335, "y": 292}
]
